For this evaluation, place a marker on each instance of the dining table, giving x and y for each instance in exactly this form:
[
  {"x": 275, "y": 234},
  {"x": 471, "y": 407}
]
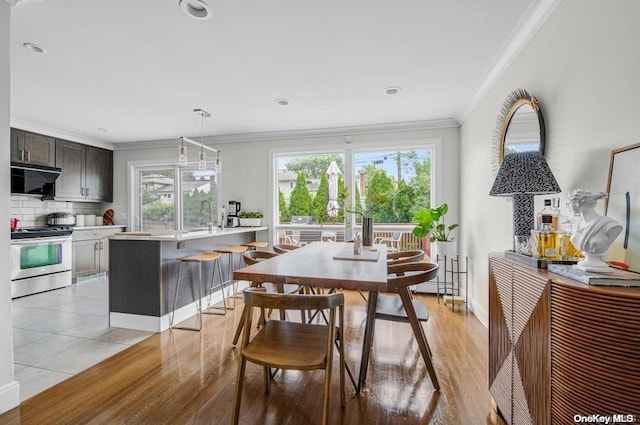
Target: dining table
[{"x": 329, "y": 265}]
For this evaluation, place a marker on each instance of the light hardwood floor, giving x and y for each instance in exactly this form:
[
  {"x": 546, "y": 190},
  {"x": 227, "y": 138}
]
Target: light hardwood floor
[{"x": 183, "y": 377}]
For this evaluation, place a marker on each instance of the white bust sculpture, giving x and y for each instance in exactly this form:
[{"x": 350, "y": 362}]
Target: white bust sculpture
[{"x": 595, "y": 233}]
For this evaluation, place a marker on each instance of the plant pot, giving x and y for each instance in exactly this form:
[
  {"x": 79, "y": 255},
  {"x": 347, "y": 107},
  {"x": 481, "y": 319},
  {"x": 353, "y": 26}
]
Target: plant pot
[
  {"x": 250, "y": 222},
  {"x": 443, "y": 251}
]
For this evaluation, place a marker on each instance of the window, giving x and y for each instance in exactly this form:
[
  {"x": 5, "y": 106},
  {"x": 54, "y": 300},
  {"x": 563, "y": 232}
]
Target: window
[
  {"x": 389, "y": 184},
  {"x": 174, "y": 198}
]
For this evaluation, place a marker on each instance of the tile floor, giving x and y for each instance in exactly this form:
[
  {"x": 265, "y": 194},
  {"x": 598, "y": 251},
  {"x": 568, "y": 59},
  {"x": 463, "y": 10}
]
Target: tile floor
[{"x": 59, "y": 333}]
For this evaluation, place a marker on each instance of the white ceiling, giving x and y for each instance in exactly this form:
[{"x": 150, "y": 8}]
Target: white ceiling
[{"x": 139, "y": 67}]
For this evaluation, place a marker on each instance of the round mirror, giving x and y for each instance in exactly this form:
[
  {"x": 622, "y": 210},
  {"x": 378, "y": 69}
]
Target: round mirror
[{"x": 520, "y": 127}]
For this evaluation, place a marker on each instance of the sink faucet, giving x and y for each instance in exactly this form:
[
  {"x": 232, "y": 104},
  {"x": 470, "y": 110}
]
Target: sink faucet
[{"x": 209, "y": 222}]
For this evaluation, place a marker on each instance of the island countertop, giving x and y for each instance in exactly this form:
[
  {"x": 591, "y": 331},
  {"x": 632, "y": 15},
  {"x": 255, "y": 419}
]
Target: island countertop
[{"x": 183, "y": 235}]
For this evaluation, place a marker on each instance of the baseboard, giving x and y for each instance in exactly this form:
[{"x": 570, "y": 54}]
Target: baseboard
[
  {"x": 9, "y": 396},
  {"x": 480, "y": 313},
  {"x": 155, "y": 323}
]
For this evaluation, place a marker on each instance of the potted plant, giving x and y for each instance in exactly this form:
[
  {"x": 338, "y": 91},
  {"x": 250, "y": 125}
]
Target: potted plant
[
  {"x": 250, "y": 219},
  {"x": 430, "y": 221}
]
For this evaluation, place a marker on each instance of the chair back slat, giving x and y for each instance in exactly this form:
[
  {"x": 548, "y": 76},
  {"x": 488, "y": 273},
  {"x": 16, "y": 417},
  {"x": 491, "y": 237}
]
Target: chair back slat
[
  {"x": 402, "y": 257},
  {"x": 258, "y": 298},
  {"x": 255, "y": 256},
  {"x": 281, "y": 248},
  {"x": 407, "y": 274}
]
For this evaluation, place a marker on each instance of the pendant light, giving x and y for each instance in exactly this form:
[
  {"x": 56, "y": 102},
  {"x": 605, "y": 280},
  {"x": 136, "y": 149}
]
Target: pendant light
[
  {"x": 202, "y": 161},
  {"x": 202, "y": 156},
  {"x": 182, "y": 153}
]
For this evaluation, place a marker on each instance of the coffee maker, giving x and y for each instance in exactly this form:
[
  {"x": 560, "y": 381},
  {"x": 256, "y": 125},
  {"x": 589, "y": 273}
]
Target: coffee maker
[{"x": 232, "y": 214}]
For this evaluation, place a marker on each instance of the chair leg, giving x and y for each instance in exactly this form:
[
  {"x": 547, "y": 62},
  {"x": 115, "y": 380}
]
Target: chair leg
[
  {"x": 175, "y": 296},
  {"x": 237, "y": 399},
  {"x": 418, "y": 332},
  {"x": 217, "y": 310},
  {"x": 327, "y": 371},
  {"x": 240, "y": 325},
  {"x": 341, "y": 354}
]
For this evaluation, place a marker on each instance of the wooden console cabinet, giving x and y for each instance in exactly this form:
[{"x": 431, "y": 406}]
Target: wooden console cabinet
[{"x": 559, "y": 348}]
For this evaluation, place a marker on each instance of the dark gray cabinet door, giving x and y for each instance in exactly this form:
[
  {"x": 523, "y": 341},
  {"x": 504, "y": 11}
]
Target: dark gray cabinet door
[
  {"x": 17, "y": 145},
  {"x": 32, "y": 148},
  {"x": 70, "y": 158},
  {"x": 98, "y": 174}
]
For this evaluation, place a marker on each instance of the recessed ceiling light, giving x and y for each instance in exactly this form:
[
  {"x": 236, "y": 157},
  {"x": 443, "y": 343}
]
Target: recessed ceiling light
[
  {"x": 196, "y": 9},
  {"x": 282, "y": 102},
  {"x": 392, "y": 90},
  {"x": 104, "y": 130},
  {"x": 34, "y": 48}
]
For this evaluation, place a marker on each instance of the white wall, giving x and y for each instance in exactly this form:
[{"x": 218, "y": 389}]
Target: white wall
[
  {"x": 9, "y": 389},
  {"x": 245, "y": 165},
  {"x": 584, "y": 68}
]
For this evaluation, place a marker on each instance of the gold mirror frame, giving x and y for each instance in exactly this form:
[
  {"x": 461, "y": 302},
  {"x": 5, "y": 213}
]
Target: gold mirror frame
[{"x": 516, "y": 99}]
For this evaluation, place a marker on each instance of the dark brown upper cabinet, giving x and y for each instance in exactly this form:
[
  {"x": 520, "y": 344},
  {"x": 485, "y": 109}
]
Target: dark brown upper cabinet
[
  {"x": 32, "y": 148},
  {"x": 87, "y": 172}
]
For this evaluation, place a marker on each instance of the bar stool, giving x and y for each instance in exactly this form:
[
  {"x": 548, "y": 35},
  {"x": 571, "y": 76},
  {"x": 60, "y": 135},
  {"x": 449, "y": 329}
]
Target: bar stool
[
  {"x": 256, "y": 245},
  {"x": 199, "y": 259},
  {"x": 230, "y": 251}
]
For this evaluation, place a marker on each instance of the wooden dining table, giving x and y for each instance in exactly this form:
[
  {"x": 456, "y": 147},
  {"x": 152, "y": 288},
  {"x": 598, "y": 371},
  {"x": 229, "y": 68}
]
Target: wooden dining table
[{"x": 314, "y": 265}]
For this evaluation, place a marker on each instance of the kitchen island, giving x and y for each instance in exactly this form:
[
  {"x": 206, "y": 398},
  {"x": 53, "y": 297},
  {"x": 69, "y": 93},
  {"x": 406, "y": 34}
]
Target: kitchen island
[{"x": 144, "y": 269}]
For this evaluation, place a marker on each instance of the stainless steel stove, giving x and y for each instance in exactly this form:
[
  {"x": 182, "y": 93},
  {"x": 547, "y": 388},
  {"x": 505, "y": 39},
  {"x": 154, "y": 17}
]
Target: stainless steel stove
[{"x": 40, "y": 259}]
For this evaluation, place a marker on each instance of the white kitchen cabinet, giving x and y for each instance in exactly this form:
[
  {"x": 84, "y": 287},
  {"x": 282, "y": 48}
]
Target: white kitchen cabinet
[{"x": 91, "y": 249}]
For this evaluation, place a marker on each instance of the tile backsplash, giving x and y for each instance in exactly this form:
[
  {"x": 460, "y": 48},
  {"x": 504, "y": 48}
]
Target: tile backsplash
[{"x": 31, "y": 211}]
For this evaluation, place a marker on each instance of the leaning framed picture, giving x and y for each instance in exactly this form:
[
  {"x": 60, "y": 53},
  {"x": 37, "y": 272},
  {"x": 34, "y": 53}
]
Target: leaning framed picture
[{"x": 623, "y": 204}]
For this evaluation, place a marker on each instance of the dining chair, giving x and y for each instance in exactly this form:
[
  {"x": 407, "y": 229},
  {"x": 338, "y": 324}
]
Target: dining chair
[
  {"x": 401, "y": 257},
  {"x": 281, "y": 248},
  {"x": 401, "y": 307},
  {"x": 393, "y": 242},
  {"x": 288, "y": 345},
  {"x": 253, "y": 257}
]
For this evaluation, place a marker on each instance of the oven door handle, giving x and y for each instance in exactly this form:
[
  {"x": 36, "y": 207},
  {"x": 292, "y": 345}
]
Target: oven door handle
[{"x": 31, "y": 241}]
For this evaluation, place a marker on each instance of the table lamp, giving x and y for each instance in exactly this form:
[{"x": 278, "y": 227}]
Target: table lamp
[{"x": 521, "y": 176}]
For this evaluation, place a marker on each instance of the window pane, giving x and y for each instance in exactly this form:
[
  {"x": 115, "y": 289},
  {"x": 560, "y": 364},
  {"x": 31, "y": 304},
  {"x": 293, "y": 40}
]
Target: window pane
[
  {"x": 199, "y": 198},
  {"x": 304, "y": 189},
  {"x": 156, "y": 199},
  {"x": 392, "y": 185}
]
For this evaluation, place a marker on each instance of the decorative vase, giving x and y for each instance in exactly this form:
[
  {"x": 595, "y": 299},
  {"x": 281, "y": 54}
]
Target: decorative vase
[{"x": 367, "y": 231}]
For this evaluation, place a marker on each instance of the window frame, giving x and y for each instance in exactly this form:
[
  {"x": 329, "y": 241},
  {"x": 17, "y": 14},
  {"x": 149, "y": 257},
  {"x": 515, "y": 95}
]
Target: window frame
[
  {"x": 349, "y": 150},
  {"x": 133, "y": 179}
]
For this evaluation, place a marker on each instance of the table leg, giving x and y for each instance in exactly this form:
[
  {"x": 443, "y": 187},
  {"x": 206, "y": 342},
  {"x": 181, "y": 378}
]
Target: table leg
[{"x": 368, "y": 337}]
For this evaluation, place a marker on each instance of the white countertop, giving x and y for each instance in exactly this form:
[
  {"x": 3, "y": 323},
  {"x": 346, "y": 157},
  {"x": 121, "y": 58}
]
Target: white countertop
[
  {"x": 177, "y": 235},
  {"x": 104, "y": 226}
]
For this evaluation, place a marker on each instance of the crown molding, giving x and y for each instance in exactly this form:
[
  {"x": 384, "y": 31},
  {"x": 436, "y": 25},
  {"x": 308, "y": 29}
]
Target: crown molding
[
  {"x": 301, "y": 134},
  {"x": 53, "y": 132},
  {"x": 12, "y": 2},
  {"x": 527, "y": 28}
]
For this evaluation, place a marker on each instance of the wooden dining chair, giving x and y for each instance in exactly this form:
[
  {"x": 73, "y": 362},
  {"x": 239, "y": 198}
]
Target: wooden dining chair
[
  {"x": 289, "y": 345},
  {"x": 401, "y": 257},
  {"x": 281, "y": 248},
  {"x": 401, "y": 307},
  {"x": 253, "y": 257}
]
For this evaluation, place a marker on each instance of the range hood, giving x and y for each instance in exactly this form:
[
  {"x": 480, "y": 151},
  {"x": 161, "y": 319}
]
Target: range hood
[{"x": 34, "y": 180}]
